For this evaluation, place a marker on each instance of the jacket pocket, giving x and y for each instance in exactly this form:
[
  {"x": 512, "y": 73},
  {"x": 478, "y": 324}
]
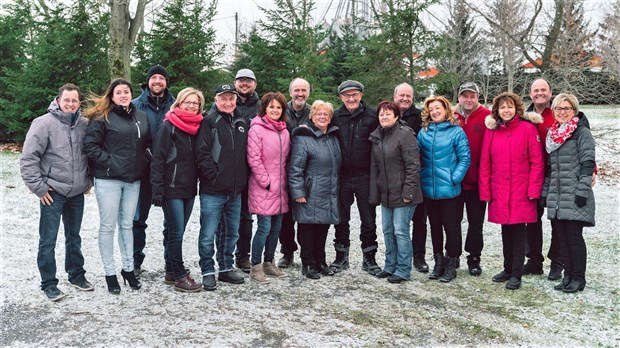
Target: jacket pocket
[{"x": 308, "y": 186}]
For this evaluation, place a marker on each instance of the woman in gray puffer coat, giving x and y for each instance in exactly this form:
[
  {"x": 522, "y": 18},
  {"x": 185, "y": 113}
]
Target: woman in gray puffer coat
[
  {"x": 313, "y": 183},
  {"x": 568, "y": 186}
]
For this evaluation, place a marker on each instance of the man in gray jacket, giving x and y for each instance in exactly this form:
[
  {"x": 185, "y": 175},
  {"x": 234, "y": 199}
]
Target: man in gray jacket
[{"x": 54, "y": 168}]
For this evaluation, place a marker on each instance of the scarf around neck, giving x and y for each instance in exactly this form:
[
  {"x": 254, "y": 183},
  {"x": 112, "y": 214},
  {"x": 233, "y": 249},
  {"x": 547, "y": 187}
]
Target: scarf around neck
[
  {"x": 185, "y": 121},
  {"x": 279, "y": 125},
  {"x": 559, "y": 133}
]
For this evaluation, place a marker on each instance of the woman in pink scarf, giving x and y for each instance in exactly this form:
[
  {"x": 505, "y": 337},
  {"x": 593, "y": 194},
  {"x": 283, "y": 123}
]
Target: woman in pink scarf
[{"x": 174, "y": 179}]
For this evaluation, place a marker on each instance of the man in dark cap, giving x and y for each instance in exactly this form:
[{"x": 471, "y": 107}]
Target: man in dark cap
[
  {"x": 356, "y": 121},
  {"x": 155, "y": 101}
]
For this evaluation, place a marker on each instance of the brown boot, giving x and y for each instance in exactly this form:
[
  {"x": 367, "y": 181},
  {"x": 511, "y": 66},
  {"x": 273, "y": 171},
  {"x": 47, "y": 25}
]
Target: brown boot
[
  {"x": 258, "y": 275},
  {"x": 272, "y": 270},
  {"x": 187, "y": 284}
]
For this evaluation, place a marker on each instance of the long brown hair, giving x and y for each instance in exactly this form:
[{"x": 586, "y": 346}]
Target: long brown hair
[
  {"x": 103, "y": 104},
  {"x": 510, "y": 98}
]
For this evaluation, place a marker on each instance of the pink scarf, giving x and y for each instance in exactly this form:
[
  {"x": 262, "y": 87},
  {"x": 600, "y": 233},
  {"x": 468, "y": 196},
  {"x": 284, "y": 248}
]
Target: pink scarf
[
  {"x": 558, "y": 133},
  {"x": 185, "y": 121},
  {"x": 279, "y": 125}
]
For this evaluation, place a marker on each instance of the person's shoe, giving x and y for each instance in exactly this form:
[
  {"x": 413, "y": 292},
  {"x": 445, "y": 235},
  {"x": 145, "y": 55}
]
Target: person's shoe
[
  {"x": 310, "y": 272},
  {"x": 369, "y": 264},
  {"x": 394, "y": 279},
  {"x": 82, "y": 284},
  {"x": 501, "y": 277},
  {"x": 420, "y": 264},
  {"x": 137, "y": 270},
  {"x": 271, "y": 270},
  {"x": 113, "y": 287},
  {"x": 230, "y": 277},
  {"x": 473, "y": 263},
  {"x": 513, "y": 283},
  {"x": 450, "y": 272},
  {"x": 326, "y": 270},
  {"x": 286, "y": 260},
  {"x": 383, "y": 274},
  {"x": 244, "y": 265},
  {"x": 532, "y": 268},
  {"x": 439, "y": 267},
  {"x": 53, "y": 294},
  {"x": 257, "y": 274},
  {"x": 555, "y": 272},
  {"x": 130, "y": 277},
  {"x": 208, "y": 282},
  {"x": 168, "y": 278},
  {"x": 574, "y": 286},
  {"x": 565, "y": 281},
  {"x": 341, "y": 262},
  {"x": 187, "y": 284}
]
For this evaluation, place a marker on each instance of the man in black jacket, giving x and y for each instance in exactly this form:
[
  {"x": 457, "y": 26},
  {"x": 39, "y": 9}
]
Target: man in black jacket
[
  {"x": 355, "y": 121},
  {"x": 223, "y": 171}
]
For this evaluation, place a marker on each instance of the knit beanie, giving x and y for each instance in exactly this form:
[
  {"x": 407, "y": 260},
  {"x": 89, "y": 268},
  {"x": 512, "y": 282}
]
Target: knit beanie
[{"x": 157, "y": 69}]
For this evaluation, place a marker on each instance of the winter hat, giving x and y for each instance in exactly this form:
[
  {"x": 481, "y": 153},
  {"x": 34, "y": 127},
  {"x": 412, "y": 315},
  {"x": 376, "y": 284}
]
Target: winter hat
[
  {"x": 157, "y": 69},
  {"x": 349, "y": 85},
  {"x": 221, "y": 89}
]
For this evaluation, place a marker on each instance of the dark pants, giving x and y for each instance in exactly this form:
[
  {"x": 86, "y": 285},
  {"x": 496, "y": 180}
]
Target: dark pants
[
  {"x": 418, "y": 232},
  {"x": 139, "y": 223},
  {"x": 71, "y": 209},
  {"x": 476, "y": 210},
  {"x": 573, "y": 249},
  {"x": 446, "y": 214},
  {"x": 356, "y": 188},
  {"x": 244, "y": 244},
  {"x": 177, "y": 212},
  {"x": 287, "y": 233},
  {"x": 535, "y": 242},
  {"x": 312, "y": 239},
  {"x": 513, "y": 247}
]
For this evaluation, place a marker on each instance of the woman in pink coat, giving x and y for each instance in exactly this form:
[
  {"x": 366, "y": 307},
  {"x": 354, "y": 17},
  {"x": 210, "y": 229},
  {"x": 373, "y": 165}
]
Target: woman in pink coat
[
  {"x": 268, "y": 149},
  {"x": 511, "y": 179}
]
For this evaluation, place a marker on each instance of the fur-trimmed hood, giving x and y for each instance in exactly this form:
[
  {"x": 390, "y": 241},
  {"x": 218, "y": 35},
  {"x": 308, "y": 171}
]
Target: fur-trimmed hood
[{"x": 530, "y": 116}]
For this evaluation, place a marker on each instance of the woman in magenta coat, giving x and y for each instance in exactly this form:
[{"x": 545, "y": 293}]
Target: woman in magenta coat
[
  {"x": 268, "y": 148},
  {"x": 511, "y": 179}
]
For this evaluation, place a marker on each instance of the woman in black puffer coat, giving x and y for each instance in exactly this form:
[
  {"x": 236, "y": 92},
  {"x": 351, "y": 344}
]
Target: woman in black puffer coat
[{"x": 313, "y": 182}]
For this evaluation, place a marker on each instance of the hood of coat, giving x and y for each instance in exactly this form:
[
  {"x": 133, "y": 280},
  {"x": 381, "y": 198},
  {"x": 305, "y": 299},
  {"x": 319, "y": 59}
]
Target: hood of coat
[
  {"x": 309, "y": 129},
  {"x": 529, "y": 116}
]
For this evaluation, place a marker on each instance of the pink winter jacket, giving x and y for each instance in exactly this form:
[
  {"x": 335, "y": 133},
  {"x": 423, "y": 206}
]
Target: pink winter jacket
[
  {"x": 511, "y": 171},
  {"x": 268, "y": 151}
]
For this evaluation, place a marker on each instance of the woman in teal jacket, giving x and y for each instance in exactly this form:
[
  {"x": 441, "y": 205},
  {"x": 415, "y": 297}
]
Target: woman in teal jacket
[{"x": 444, "y": 153}]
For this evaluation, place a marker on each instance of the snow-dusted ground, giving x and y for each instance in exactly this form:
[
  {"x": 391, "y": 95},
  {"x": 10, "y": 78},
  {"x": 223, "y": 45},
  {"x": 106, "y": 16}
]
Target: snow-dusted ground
[{"x": 350, "y": 309}]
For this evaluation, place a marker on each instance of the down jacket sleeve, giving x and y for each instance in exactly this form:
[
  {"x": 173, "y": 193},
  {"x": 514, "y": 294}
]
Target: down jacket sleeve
[
  {"x": 255, "y": 161},
  {"x": 585, "y": 146},
  {"x": 462, "y": 154},
  {"x": 411, "y": 156},
  {"x": 484, "y": 175},
  {"x": 373, "y": 191},
  {"x": 537, "y": 164},
  {"x": 207, "y": 166},
  {"x": 98, "y": 157},
  {"x": 34, "y": 147},
  {"x": 161, "y": 150}
]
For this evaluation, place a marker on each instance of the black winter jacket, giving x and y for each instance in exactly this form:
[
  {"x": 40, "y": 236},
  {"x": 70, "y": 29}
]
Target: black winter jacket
[
  {"x": 174, "y": 174},
  {"x": 413, "y": 118},
  {"x": 313, "y": 173},
  {"x": 155, "y": 108},
  {"x": 395, "y": 167},
  {"x": 221, "y": 154},
  {"x": 249, "y": 109},
  {"x": 354, "y": 131},
  {"x": 296, "y": 118},
  {"x": 118, "y": 148}
]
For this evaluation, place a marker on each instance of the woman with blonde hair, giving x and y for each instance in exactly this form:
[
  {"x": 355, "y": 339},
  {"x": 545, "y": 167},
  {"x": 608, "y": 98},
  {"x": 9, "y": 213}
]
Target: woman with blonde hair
[
  {"x": 116, "y": 143},
  {"x": 445, "y": 158},
  {"x": 174, "y": 179}
]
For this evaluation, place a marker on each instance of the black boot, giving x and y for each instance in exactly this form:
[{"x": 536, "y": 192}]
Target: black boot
[
  {"x": 450, "y": 272},
  {"x": 555, "y": 272},
  {"x": 565, "y": 281},
  {"x": 130, "y": 277},
  {"x": 342, "y": 259},
  {"x": 369, "y": 264},
  {"x": 113, "y": 286},
  {"x": 473, "y": 263},
  {"x": 438, "y": 269},
  {"x": 310, "y": 271},
  {"x": 420, "y": 264}
]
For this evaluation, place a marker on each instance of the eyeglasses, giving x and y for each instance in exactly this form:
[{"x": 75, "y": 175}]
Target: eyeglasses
[
  {"x": 351, "y": 95},
  {"x": 191, "y": 103},
  {"x": 245, "y": 80},
  {"x": 558, "y": 109}
]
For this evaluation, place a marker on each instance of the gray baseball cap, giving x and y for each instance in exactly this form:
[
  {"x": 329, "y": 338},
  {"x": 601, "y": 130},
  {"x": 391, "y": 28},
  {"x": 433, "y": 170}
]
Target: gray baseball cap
[{"x": 245, "y": 73}]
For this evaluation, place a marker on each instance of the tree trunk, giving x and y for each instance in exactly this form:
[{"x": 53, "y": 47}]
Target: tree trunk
[{"x": 123, "y": 33}]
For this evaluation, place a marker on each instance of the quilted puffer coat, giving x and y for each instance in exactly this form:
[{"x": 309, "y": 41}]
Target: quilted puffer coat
[
  {"x": 571, "y": 167},
  {"x": 511, "y": 171},
  {"x": 268, "y": 149},
  {"x": 445, "y": 158}
]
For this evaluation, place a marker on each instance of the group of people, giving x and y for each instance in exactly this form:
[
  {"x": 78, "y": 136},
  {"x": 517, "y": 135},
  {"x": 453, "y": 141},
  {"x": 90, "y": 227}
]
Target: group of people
[{"x": 294, "y": 163}]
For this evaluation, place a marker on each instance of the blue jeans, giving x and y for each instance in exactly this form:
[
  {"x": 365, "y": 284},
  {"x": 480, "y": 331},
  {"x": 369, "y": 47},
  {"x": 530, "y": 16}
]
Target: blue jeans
[
  {"x": 139, "y": 224},
  {"x": 398, "y": 249},
  {"x": 212, "y": 208},
  {"x": 71, "y": 209},
  {"x": 177, "y": 213},
  {"x": 266, "y": 237},
  {"x": 117, "y": 202}
]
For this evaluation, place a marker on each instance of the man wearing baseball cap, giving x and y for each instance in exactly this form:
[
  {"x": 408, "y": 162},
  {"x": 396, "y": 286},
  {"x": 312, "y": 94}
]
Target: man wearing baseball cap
[
  {"x": 471, "y": 115},
  {"x": 221, "y": 154},
  {"x": 356, "y": 121},
  {"x": 155, "y": 101}
]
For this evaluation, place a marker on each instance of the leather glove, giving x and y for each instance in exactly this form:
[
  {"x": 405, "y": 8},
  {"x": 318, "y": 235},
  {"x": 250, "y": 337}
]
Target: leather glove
[
  {"x": 158, "y": 200},
  {"x": 542, "y": 202},
  {"x": 580, "y": 201}
]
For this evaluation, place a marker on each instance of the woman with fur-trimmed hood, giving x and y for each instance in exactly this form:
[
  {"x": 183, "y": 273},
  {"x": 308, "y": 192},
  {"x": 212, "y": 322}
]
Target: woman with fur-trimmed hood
[{"x": 511, "y": 179}]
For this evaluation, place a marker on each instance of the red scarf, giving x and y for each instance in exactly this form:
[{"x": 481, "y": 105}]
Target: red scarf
[
  {"x": 559, "y": 134},
  {"x": 185, "y": 121},
  {"x": 279, "y": 125}
]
